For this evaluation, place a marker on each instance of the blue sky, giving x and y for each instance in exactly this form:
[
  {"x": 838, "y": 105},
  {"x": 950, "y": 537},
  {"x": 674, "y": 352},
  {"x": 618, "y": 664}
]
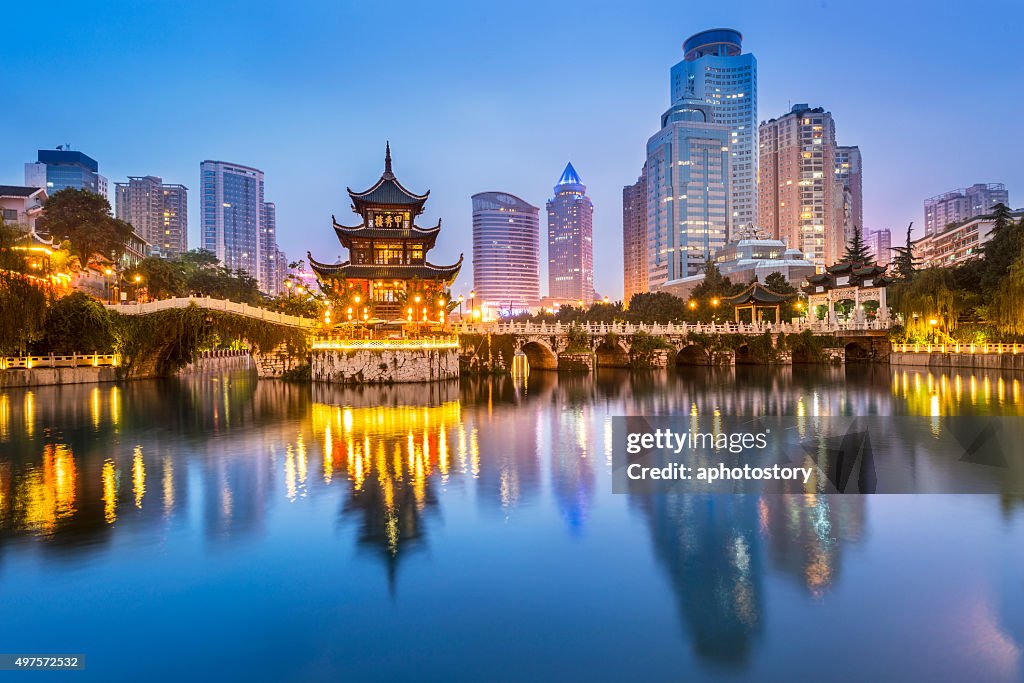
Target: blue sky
[{"x": 495, "y": 96}]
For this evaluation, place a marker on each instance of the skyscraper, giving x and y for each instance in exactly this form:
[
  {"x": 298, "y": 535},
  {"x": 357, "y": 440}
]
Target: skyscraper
[
  {"x": 880, "y": 244},
  {"x": 687, "y": 192},
  {"x": 848, "y": 172},
  {"x": 634, "y": 237},
  {"x": 157, "y": 211},
  {"x": 231, "y": 207},
  {"x": 56, "y": 169},
  {"x": 960, "y": 205},
  {"x": 801, "y": 202},
  {"x": 715, "y": 70},
  {"x": 571, "y": 240},
  {"x": 271, "y": 280},
  {"x": 506, "y": 251}
]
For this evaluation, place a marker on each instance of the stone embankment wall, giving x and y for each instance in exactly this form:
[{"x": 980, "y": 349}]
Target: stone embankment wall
[
  {"x": 36, "y": 377},
  {"x": 980, "y": 361},
  {"x": 219, "y": 361},
  {"x": 376, "y": 366}
]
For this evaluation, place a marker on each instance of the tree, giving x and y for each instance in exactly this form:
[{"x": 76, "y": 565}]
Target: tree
[
  {"x": 22, "y": 299},
  {"x": 161, "y": 277},
  {"x": 931, "y": 295},
  {"x": 656, "y": 307},
  {"x": 857, "y": 250},
  {"x": 83, "y": 218},
  {"x": 904, "y": 263},
  {"x": 1008, "y": 303},
  {"x": 77, "y": 324},
  {"x": 1002, "y": 249},
  {"x": 778, "y": 283}
]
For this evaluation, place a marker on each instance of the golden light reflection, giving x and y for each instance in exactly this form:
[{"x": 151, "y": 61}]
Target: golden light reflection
[
  {"x": 108, "y": 476},
  {"x": 168, "y": 485},
  {"x": 5, "y": 417},
  {"x": 46, "y": 493},
  {"x": 30, "y": 413},
  {"x": 95, "y": 410},
  {"x": 138, "y": 476}
]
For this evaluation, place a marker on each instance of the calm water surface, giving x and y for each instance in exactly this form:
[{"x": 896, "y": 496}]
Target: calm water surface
[{"x": 219, "y": 528}]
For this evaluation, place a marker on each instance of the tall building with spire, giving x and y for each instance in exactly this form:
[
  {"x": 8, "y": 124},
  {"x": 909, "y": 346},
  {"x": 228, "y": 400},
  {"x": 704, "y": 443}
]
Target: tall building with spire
[
  {"x": 716, "y": 71},
  {"x": 571, "y": 240}
]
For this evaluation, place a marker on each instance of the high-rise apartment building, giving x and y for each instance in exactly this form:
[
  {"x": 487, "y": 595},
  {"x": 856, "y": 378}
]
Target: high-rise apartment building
[
  {"x": 880, "y": 244},
  {"x": 571, "y": 240},
  {"x": 157, "y": 211},
  {"x": 687, "y": 192},
  {"x": 960, "y": 205},
  {"x": 231, "y": 215},
  {"x": 800, "y": 200},
  {"x": 848, "y": 172},
  {"x": 715, "y": 70},
  {"x": 634, "y": 237},
  {"x": 506, "y": 251},
  {"x": 56, "y": 169},
  {"x": 270, "y": 255}
]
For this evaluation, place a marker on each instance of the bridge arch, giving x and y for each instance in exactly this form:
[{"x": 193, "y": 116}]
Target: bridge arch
[
  {"x": 691, "y": 354},
  {"x": 610, "y": 355},
  {"x": 743, "y": 355},
  {"x": 857, "y": 352},
  {"x": 540, "y": 356}
]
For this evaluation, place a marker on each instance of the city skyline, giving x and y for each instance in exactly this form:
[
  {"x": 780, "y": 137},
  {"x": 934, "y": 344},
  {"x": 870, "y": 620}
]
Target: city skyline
[{"x": 317, "y": 126}]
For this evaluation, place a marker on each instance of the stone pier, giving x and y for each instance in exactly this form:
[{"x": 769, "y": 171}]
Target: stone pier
[{"x": 384, "y": 366}]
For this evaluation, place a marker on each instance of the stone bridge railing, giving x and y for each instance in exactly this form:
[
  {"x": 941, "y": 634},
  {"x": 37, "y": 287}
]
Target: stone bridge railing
[
  {"x": 215, "y": 305},
  {"x": 673, "y": 329}
]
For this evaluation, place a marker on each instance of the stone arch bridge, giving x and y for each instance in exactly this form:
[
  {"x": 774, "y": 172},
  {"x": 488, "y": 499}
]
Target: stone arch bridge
[{"x": 546, "y": 346}]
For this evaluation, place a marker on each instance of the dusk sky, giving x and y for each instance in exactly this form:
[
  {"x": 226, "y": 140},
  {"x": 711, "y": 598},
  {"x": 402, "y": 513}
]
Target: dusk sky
[{"x": 495, "y": 96}]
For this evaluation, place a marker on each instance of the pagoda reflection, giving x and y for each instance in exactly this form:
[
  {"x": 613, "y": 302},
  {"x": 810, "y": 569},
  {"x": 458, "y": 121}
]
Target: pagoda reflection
[{"x": 392, "y": 457}]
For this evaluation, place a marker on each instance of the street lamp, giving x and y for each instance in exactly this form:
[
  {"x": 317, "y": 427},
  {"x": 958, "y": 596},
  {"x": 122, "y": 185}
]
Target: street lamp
[
  {"x": 460, "y": 307},
  {"x": 472, "y": 302}
]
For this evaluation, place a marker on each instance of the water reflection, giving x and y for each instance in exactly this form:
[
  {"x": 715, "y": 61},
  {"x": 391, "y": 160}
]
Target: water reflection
[{"x": 225, "y": 455}]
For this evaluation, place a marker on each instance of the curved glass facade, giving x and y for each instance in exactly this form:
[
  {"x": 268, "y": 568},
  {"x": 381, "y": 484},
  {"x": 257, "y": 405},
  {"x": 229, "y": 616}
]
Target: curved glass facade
[{"x": 506, "y": 251}]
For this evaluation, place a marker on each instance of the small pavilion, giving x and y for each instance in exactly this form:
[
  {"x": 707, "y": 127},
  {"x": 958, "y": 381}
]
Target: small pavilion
[{"x": 757, "y": 299}]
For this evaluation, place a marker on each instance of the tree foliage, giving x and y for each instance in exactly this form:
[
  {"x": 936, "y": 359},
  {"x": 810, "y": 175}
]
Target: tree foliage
[
  {"x": 77, "y": 323},
  {"x": 904, "y": 263},
  {"x": 84, "y": 219},
  {"x": 23, "y": 299},
  {"x": 857, "y": 250}
]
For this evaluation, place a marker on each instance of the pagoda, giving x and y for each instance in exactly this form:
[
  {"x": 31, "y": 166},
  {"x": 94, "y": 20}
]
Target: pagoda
[{"x": 387, "y": 276}]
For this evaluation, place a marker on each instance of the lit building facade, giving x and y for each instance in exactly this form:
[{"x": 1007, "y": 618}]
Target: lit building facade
[
  {"x": 880, "y": 244},
  {"x": 157, "y": 211},
  {"x": 715, "y": 69},
  {"x": 270, "y": 255},
  {"x": 959, "y": 205},
  {"x": 956, "y": 243},
  {"x": 848, "y": 172},
  {"x": 801, "y": 202},
  {"x": 22, "y": 206},
  {"x": 571, "y": 240},
  {"x": 634, "y": 237},
  {"x": 231, "y": 213},
  {"x": 506, "y": 251},
  {"x": 687, "y": 192},
  {"x": 57, "y": 169}
]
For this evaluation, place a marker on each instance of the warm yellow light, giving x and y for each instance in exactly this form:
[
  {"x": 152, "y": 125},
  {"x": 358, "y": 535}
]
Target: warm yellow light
[
  {"x": 472, "y": 294},
  {"x": 138, "y": 279},
  {"x": 461, "y": 298},
  {"x": 693, "y": 305},
  {"x": 714, "y": 302},
  {"x": 417, "y": 298},
  {"x": 357, "y": 298},
  {"x": 300, "y": 289},
  {"x": 288, "y": 284},
  {"x": 606, "y": 299},
  {"x": 476, "y": 312},
  {"x": 440, "y": 302},
  {"x": 933, "y": 322},
  {"x": 108, "y": 271}
]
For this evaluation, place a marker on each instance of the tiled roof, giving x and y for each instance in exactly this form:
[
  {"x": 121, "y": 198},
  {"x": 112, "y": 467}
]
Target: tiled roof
[
  {"x": 758, "y": 294},
  {"x": 422, "y": 271},
  {"x": 17, "y": 191},
  {"x": 346, "y": 233}
]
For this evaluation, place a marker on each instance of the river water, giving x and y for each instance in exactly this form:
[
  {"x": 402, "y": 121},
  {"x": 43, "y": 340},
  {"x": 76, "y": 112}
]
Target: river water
[{"x": 217, "y": 527}]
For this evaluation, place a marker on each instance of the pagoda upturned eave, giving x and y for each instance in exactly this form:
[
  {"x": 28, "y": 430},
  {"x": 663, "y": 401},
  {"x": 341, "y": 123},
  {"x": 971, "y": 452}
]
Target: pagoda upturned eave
[
  {"x": 346, "y": 233},
  {"x": 385, "y": 272}
]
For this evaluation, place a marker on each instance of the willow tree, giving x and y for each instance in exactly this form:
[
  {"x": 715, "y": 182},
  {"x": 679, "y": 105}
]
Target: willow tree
[
  {"x": 23, "y": 298},
  {"x": 1007, "y": 308},
  {"x": 931, "y": 295}
]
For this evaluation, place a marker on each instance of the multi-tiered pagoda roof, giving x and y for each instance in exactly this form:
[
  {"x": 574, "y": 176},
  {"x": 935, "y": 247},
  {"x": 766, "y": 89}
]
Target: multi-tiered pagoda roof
[{"x": 387, "y": 245}]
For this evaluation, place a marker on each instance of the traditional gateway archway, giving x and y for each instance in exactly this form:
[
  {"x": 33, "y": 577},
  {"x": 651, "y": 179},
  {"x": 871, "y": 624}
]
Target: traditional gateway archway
[
  {"x": 540, "y": 356},
  {"x": 857, "y": 282}
]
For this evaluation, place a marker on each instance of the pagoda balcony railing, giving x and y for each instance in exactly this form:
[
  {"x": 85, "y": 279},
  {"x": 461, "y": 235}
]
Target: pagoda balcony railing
[{"x": 626, "y": 328}]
